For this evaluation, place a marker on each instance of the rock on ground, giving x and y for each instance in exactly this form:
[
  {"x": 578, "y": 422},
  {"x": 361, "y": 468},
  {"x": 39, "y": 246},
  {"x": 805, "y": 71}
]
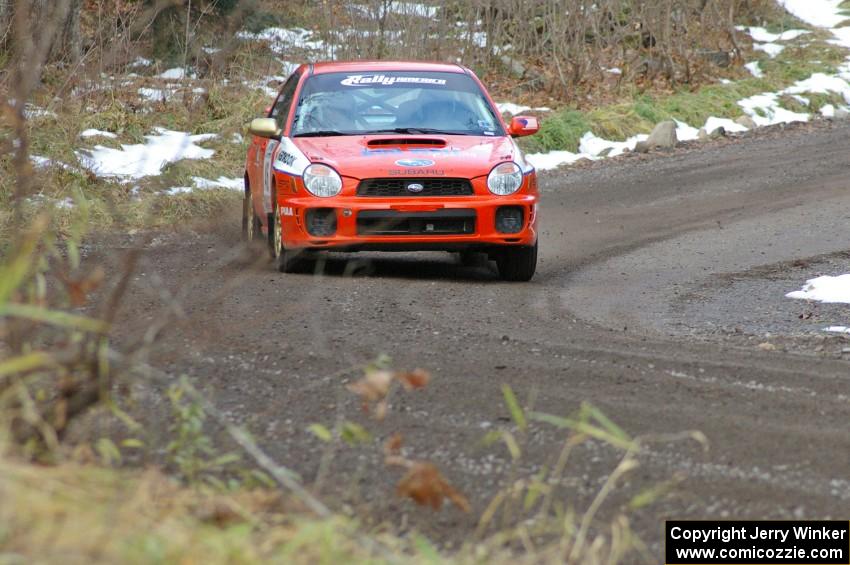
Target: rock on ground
[
  {"x": 663, "y": 136},
  {"x": 745, "y": 121}
]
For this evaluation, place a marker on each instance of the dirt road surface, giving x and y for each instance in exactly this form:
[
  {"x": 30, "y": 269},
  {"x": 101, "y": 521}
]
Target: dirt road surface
[{"x": 659, "y": 283}]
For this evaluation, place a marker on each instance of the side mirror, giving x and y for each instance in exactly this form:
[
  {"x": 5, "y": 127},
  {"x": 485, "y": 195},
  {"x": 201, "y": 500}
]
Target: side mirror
[
  {"x": 264, "y": 127},
  {"x": 523, "y": 125}
]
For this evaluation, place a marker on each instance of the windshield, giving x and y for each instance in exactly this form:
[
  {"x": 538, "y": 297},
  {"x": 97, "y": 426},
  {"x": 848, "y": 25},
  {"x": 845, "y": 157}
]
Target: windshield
[{"x": 393, "y": 102}]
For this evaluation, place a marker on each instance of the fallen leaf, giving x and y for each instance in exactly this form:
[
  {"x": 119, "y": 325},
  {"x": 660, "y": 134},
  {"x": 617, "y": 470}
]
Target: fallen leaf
[
  {"x": 427, "y": 487},
  {"x": 417, "y": 378},
  {"x": 79, "y": 289},
  {"x": 374, "y": 386},
  {"x": 393, "y": 444}
]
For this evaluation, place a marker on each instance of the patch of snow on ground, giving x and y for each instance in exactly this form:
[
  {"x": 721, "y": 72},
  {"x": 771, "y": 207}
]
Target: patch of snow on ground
[
  {"x": 221, "y": 182},
  {"x": 754, "y": 69},
  {"x": 712, "y": 124},
  {"x": 280, "y": 39},
  {"x": 141, "y": 160},
  {"x": 772, "y": 49},
  {"x": 826, "y": 289},
  {"x": 44, "y": 162},
  {"x": 155, "y": 94},
  {"x": 765, "y": 110},
  {"x": 141, "y": 62},
  {"x": 174, "y": 74},
  {"x": 200, "y": 183},
  {"x": 413, "y": 9},
  {"x": 821, "y": 83},
  {"x": 513, "y": 109},
  {"x": 684, "y": 132},
  {"x": 553, "y": 159},
  {"x": 31, "y": 111},
  {"x": 590, "y": 146},
  {"x": 96, "y": 133},
  {"x": 828, "y": 111},
  {"x": 819, "y": 13},
  {"x": 761, "y": 34},
  {"x": 838, "y": 329}
]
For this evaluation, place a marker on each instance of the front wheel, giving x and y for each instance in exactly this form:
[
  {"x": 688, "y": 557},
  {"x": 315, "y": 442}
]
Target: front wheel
[
  {"x": 293, "y": 261},
  {"x": 275, "y": 235},
  {"x": 517, "y": 263}
]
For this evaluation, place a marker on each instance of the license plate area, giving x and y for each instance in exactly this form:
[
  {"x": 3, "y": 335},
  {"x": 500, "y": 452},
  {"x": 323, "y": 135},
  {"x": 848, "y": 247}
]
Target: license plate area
[{"x": 393, "y": 222}]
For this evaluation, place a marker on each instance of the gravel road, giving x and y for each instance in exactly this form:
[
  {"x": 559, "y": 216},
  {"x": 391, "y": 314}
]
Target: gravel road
[{"x": 661, "y": 279}]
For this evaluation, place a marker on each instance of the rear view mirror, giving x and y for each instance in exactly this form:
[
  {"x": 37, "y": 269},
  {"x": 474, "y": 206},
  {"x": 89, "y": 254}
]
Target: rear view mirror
[
  {"x": 264, "y": 127},
  {"x": 523, "y": 125}
]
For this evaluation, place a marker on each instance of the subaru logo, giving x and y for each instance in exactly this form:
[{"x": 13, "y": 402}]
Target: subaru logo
[
  {"x": 414, "y": 162},
  {"x": 415, "y": 187}
]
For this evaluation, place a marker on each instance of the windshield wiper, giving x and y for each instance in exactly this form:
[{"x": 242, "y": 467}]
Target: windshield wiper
[
  {"x": 419, "y": 131},
  {"x": 321, "y": 133}
]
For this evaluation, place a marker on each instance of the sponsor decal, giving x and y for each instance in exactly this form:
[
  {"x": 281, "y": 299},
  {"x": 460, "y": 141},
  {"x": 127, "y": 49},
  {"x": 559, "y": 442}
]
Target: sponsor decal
[
  {"x": 384, "y": 80},
  {"x": 413, "y": 172},
  {"x": 286, "y": 158},
  {"x": 287, "y": 211},
  {"x": 414, "y": 162}
]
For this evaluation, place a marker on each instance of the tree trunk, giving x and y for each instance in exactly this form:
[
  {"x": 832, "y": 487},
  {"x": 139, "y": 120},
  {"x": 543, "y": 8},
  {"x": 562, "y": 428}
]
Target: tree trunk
[{"x": 68, "y": 43}]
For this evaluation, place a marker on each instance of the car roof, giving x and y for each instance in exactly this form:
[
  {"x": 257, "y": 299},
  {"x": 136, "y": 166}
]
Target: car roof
[{"x": 366, "y": 66}]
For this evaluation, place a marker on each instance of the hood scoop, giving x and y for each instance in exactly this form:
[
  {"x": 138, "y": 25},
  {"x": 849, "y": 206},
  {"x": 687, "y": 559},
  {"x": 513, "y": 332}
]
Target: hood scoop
[{"x": 407, "y": 142}]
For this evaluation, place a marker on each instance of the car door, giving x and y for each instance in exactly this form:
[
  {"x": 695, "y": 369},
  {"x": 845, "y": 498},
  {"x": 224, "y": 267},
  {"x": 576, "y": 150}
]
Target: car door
[{"x": 264, "y": 151}]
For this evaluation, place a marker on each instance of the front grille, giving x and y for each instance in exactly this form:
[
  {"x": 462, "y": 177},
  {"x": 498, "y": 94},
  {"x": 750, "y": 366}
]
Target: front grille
[
  {"x": 441, "y": 222},
  {"x": 399, "y": 187}
]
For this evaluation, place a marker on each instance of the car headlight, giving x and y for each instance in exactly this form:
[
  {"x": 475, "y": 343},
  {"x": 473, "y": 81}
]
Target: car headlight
[
  {"x": 322, "y": 180},
  {"x": 504, "y": 179}
]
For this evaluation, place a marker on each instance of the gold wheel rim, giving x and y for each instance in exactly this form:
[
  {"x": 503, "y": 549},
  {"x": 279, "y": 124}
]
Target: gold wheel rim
[
  {"x": 248, "y": 206},
  {"x": 278, "y": 236}
]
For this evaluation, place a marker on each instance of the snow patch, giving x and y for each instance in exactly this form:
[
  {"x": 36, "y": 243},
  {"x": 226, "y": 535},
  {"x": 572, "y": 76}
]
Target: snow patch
[
  {"x": 142, "y": 160},
  {"x": 281, "y": 39},
  {"x": 712, "y": 124},
  {"x": 591, "y": 146},
  {"x": 754, "y": 69},
  {"x": 513, "y": 109},
  {"x": 553, "y": 159},
  {"x": 772, "y": 49},
  {"x": 761, "y": 34},
  {"x": 200, "y": 183},
  {"x": 175, "y": 74},
  {"x": 826, "y": 289},
  {"x": 96, "y": 133},
  {"x": 838, "y": 329}
]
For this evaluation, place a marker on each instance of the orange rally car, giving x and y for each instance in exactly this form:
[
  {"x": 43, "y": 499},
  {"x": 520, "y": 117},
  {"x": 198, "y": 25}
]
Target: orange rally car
[{"x": 390, "y": 156}]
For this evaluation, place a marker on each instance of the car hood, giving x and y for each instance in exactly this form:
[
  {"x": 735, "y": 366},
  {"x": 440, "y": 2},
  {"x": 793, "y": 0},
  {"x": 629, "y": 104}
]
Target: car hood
[{"x": 410, "y": 155}]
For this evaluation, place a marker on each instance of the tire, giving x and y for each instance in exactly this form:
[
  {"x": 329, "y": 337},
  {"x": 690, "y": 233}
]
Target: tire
[
  {"x": 250, "y": 223},
  {"x": 293, "y": 261},
  {"x": 517, "y": 263},
  {"x": 275, "y": 235},
  {"x": 471, "y": 258}
]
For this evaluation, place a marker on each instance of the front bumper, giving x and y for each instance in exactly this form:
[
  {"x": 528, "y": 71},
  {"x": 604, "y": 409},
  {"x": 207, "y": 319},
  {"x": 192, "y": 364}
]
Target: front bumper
[{"x": 419, "y": 223}]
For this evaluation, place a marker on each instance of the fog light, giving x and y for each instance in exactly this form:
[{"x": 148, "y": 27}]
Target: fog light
[
  {"x": 509, "y": 219},
  {"x": 321, "y": 222}
]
